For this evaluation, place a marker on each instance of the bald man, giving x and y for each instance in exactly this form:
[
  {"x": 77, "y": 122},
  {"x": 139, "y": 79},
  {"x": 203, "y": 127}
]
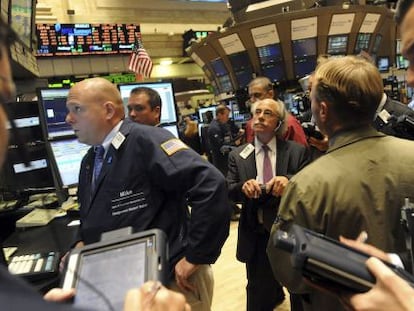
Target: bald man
[{"x": 141, "y": 176}]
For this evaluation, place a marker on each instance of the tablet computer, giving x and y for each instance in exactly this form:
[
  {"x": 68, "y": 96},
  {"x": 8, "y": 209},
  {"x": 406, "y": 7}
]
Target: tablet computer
[
  {"x": 327, "y": 261},
  {"x": 103, "y": 272}
]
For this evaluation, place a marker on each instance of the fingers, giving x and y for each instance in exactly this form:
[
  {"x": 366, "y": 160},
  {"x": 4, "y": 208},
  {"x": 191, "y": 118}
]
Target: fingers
[
  {"x": 251, "y": 189},
  {"x": 59, "y": 294},
  {"x": 365, "y": 248},
  {"x": 277, "y": 185}
]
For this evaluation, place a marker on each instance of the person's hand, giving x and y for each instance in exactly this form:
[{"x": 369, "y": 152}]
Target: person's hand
[
  {"x": 251, "y": 189},
  {"x": 152, "y": 296},
  {"x": 277, "y": 185},
  {"x": 183, "y": 270},
  {"x": 389, "y": 293},
  {"x": 365, "y": 248},
  {"x": 320, "y": 144},
  {"x": 59, "y": 294}
]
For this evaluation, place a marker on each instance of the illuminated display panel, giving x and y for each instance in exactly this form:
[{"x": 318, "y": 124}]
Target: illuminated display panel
[
  {"x": 383, "y": 63},
  {"x": 218, "y": 67},
  {"x": 401, "y": 62},
  {"x": 242, "y": 68},
  {"x": 85, "y": 39},
  {"x": 275, "y": 72},
  {"x": 225, "y": 83},
  {"x": 304, "y": 47},
  {"x": 337, "y": 45},
  {"x": 269, "y": 54},
  {"x": 304, "y": 66},
  {"x": 166, "y": 92},
  {"x": 362, "y": 43}
]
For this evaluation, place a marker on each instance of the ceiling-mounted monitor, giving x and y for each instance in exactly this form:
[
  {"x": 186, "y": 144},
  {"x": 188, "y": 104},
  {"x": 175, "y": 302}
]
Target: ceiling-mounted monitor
[
  {"x": 218, "y": 67},
  {"x": 244, "y": 77},
  {"x": 304, "y": 66},
  {"x": 337, "y": 45},
  {"x": 275, "y": 72},
  {"x": 270, "y": 54},
  {"x": 401, "y": 62},
  {"x": 225, "y": 84},
  {"x": 362, "y": 42},
  {"x": 239, "y": 60},
  {"x": 377, "y": 43},
  {"x": 304, "y": 47},
  {"x": 383, "y": 63}
]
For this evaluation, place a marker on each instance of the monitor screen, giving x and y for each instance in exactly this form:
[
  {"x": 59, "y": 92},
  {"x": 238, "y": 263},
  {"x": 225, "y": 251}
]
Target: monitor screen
[
  {"x": 68, "y": 154},
  {"x": 304, "y": 47},
  {"x": 362, "y": 42},
  {"x": 16, "y": 175},
  {"x": 275, "y": 72},
  {"x": 244, "y": 77},
  {"x": 401, "y": 62},
  {"x": 304, "y": 66},
  {"x": 172, "y": 128},
  {"x": 202, "y": 113},
  {"x": 239, "y": 60},
  {"x": 269, "y": 54},
  {"x": 383, "y": 63},
  {"x": 53, "y": 112},
  {"x": 337, "y": 44},
  {"x": 166, "y": 91},
  {"x": 377, "y": 43},
  {"x": 225, "y": 84},
  {"x": 218, "y": 67}
]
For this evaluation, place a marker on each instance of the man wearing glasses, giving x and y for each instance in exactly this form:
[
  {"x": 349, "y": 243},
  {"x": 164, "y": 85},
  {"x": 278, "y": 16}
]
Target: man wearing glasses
[{"x": 257, "y": 177}]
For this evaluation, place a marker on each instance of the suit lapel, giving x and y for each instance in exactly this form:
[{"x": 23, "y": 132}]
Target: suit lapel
[{"x": 281, "y": 160}]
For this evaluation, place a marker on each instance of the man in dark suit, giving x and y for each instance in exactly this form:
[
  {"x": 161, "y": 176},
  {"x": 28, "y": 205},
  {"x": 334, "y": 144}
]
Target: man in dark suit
[
  {"x": 269, "y": 163},
  {"x": 144, "y": 106}
]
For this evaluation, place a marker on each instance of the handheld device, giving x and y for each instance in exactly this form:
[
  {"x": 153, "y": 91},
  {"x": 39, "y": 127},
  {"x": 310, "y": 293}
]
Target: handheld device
[
  {"x": 324, "y": 260},
  {"x": 311, "y": 131},
  {"x": 103, "y": 272}
]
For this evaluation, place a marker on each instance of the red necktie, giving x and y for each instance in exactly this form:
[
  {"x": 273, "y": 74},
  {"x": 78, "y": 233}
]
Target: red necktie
[{"x": 267, "y": 165}]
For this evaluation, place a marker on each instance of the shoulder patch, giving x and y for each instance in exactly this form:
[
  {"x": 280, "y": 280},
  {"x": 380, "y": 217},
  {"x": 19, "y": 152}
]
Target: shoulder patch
[{"x": 172, "y": 146}]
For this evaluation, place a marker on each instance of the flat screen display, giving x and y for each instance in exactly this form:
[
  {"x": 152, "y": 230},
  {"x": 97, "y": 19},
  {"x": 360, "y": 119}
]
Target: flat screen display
[
  {"x": 304, "y": 47},
  {"x": 304, "y": 67},
  {"x": 383, "y": 63},
  {"x": 244, "y": 77},
  {"x": 202, "y": 113},
  {"x": 275, "y": 72},
  {"x": 362, "y": 43},
  {"x": 68, "y": 154},
  {"x": 377, "y": 43},
  {"x": 239, "y": 60},
  {"x": 225, "y": 83},
  {"x": 218, "y": 67},
  {"x": 53, "y": 111},
  {"x": 172, "y": 128},
  {"x": 401, "y": 62},
  {"x": 337, "y": 44},
  {"x": 166, "y": 91},
  {"x": 269, "y": 54},
  {"x": 85, "y": 39}
]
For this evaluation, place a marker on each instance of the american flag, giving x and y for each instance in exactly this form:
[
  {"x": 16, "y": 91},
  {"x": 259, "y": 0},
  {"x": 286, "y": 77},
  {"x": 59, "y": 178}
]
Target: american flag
[{"x": 140, "y": 62}]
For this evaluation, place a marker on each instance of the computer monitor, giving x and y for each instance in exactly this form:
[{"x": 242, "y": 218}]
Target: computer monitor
[
  {"x": 218, "y": 67},
  {"x": 377, "y": 43},
  {"x": 166, "y": 91},
  {"x": 383, "y": 63},
  {"x": 401, "y": 62},
  {"x": 67, "y": 156},
  {"x": 225, "y": 84},
  {"x": 27, "y": 169},
  {"x": 239, "y": 60},
  {"x": 362, "y": 42},
  {"x": 244, "y": 77},
  {"x": 304, "y": 66},
  {"x": 337, "y": 44},
  {"x": 172, "y": 128},
  {"x": 275, "y": 72},
  {"x": 202, "y": 115},
  {"x": 269, "y": 54},
  {"x": 304, "y": 47},
  {"x": 53, "y": 113}
]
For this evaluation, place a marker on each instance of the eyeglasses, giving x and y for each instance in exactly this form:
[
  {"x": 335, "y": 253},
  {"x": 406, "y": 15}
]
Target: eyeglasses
[{"x": 267, "y": 114}]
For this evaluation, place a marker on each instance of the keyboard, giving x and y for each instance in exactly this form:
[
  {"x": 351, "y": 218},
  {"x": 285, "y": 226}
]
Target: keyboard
[{"x": 36, "y": 266}]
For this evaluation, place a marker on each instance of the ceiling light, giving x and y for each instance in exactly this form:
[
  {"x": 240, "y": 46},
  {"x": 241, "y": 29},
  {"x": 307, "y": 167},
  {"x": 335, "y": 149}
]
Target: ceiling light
[{"x": 166, "y": 62}]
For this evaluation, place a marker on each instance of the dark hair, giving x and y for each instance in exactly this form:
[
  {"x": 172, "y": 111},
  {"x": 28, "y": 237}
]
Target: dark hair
[
  {"x": 402, "y": 8},
  {"x": 221, "y": 109},
  {"x": 154, "y": 97}
]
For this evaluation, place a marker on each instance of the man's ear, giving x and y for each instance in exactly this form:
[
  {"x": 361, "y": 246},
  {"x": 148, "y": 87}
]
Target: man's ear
[
  {"x": 157, "y": 109},
  {"x": 323, "y": 111},
  {"x": 109, "y": 109}
]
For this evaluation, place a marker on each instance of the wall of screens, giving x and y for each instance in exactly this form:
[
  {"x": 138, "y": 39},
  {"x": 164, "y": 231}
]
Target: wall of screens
[{"x": 85, "y": 39}]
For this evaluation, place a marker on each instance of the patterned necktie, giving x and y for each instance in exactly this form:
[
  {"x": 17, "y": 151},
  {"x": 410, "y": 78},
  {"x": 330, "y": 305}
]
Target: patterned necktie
[
  {"x": 267, "y": 165},
  {"x": 97, "y": 166}
]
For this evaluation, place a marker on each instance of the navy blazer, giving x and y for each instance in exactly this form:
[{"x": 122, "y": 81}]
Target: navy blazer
[
  {"x": 148, "y": 182},
  {"x": 290, "y": 158}
]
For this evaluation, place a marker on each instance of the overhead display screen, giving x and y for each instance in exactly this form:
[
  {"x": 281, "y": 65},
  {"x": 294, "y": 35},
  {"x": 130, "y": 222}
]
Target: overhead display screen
[
  {"x": 337, "y": 44},
  {"x": 85, "y": 39},
  {"x": 269, "y": 54},
  {"x": 304, "y": 47}
]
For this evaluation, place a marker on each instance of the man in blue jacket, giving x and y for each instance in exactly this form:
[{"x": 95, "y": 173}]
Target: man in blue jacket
[{"x": 141, "y": 176}]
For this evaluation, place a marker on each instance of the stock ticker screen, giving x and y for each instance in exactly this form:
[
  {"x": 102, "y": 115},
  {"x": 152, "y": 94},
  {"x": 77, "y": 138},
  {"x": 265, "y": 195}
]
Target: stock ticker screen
[{"x": 85, "y": 39}]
